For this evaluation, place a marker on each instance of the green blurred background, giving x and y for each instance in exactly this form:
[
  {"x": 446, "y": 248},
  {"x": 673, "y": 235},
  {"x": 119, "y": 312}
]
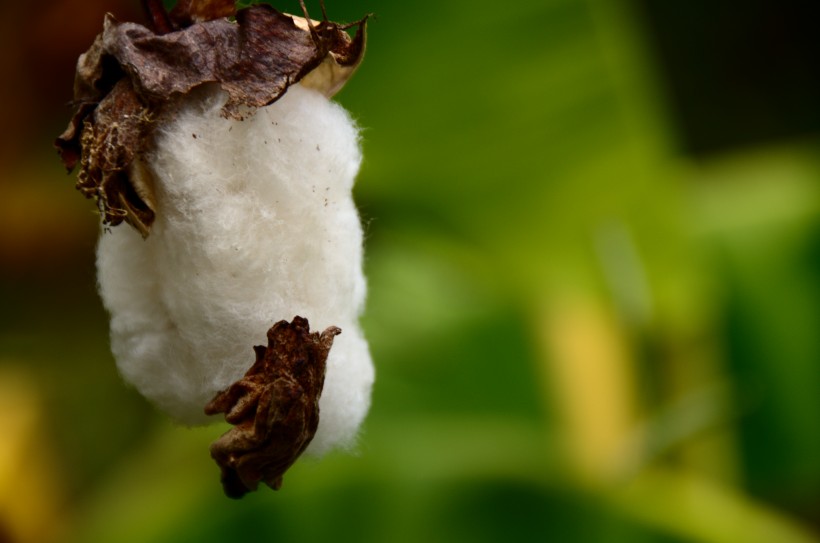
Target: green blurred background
[{"x": 593, "y": 247}]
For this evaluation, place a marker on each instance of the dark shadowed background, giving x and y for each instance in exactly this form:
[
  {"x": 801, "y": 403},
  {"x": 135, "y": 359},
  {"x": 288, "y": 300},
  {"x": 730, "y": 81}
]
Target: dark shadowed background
[{"x": 593, "y": 246}]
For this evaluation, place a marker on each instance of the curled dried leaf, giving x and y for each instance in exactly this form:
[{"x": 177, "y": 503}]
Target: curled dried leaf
[
  {"x": 274, "y": 408},
  {"x": 130, "y": 76}
]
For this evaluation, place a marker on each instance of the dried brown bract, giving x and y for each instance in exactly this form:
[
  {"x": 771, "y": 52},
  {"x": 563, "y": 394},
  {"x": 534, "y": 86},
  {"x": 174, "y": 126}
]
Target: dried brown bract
[
  {"x": 275, "y": 408},
  {"x": 131, "y": 74}
]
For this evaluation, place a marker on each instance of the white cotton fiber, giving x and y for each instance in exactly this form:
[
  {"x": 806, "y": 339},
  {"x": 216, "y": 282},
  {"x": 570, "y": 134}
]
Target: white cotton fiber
[{"x": 255, "y": 223}]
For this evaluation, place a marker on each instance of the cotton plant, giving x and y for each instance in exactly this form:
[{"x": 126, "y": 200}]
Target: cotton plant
[{"x": 223, "y": 174}]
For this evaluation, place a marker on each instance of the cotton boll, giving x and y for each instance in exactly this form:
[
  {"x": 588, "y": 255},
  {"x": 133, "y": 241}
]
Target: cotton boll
[{"x": 255, "y": 223}]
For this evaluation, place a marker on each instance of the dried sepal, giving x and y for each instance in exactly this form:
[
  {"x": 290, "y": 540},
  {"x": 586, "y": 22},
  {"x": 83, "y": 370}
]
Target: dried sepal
[
  {"x": 254, "y": 59},
  {"x": 274, "y": 408},
  {"x": 329, "y": 76},
  {"x": 111, "y": 137}
]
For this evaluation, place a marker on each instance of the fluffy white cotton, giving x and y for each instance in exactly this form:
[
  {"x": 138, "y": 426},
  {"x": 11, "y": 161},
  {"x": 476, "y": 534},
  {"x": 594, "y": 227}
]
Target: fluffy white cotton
[{"x": 255, "y": 223}]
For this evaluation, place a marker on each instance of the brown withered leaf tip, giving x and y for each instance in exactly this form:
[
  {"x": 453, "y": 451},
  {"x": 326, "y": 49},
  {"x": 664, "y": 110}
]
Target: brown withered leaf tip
[
  {"x": 126, "y": 80},
  {"x": 274, "y": 408}
]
